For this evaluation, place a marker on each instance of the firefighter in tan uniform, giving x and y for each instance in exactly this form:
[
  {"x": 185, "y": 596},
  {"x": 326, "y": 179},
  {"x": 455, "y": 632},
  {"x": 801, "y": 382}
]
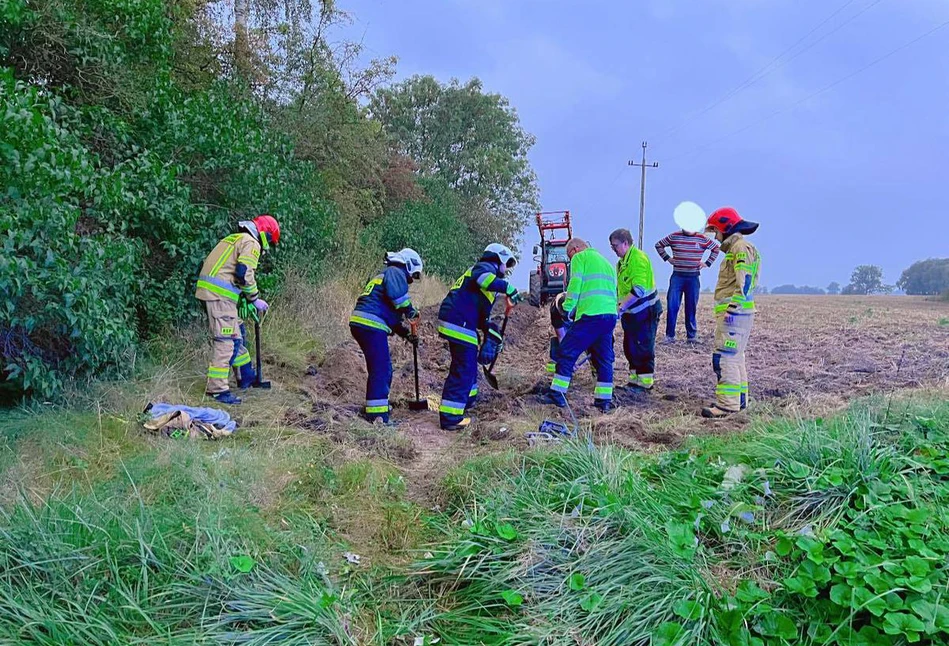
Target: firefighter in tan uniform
[
  {"x": 734, "y": 309},
  {"x": 227, "y": 276}
]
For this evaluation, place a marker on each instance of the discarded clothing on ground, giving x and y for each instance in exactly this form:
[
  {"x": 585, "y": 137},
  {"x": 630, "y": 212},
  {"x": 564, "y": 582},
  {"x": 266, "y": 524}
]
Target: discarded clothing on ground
[{"x": 172, "y": 420}]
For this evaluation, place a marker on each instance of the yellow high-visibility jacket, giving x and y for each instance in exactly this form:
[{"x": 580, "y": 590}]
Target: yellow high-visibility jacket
[
  {"x": 229, "y": 270},
  {"x": 737, "y": 275}
]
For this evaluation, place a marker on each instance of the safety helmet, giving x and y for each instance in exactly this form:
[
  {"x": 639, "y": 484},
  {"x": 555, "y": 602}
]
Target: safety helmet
[
  {"x": 500, "y": 253},
  {"x": 409, "y": 258},
  {"x": 269, "y": 230},
  {"x": 727, "y": 221}
]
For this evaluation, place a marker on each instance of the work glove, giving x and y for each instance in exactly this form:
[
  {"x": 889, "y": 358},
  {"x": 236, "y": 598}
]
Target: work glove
[
  {"x": 514, "y": 295},
  {"x": 246, "y": 310},
  {"x": 492, "y": 346},
  {"x": 261, "y": 305}
]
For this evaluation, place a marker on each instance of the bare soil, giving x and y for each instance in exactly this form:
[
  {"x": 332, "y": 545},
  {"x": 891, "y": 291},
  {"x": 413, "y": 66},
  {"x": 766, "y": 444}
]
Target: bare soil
[{"x": 809, "y": 355}]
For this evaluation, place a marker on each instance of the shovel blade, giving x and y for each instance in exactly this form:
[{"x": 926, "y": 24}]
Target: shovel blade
[
  {"x": 419, "y": 405},
  {"x": 491, "y": 379},
  {"x": 262, "y": 384}
]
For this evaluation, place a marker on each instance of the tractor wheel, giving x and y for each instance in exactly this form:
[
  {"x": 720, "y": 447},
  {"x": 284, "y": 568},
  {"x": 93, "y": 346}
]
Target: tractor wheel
[{"x": 534, "y": 297}]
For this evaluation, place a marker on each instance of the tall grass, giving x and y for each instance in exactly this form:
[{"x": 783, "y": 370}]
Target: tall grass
[{"x": 602, "y": 546}]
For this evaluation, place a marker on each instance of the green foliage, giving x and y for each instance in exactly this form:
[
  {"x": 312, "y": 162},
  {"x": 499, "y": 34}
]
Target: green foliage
[
  {"x": 833, "y": 288},
  {"x": 432, "y": 226},
  {"x": 829, "y": 532},
  {"x": 115, "y": 204},
  {"x": 867, "y": 279},
  {"x": 926, "y": 277},
  {"x": 469, "y": 139}
]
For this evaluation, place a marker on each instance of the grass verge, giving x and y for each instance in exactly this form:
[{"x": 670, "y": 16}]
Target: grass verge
[{"x": 826, "y": 531}]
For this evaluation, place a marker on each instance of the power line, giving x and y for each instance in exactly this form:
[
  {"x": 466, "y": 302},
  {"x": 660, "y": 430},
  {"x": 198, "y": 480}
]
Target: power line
[
  {"x": 813, "y": 94},
  {"x": 775, "y": 63}
]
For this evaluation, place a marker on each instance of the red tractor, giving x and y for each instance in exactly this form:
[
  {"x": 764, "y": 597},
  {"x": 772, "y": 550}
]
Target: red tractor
[{"x": 550, "y": 277}]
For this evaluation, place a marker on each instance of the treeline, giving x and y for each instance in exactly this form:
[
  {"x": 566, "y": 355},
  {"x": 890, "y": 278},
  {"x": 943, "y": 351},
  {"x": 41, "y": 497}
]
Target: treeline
[
  {"x": 922, "y": 278},
  {"x": 136, "y": 133}
]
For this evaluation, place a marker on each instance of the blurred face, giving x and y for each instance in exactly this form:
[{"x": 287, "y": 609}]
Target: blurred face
[
  {"x": 620, "y": 247},
  {"x": 712, "y": 232}
]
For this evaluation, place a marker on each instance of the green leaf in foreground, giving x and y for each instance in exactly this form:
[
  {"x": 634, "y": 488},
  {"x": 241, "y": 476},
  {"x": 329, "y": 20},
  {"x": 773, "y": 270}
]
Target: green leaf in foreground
[
  {"x": 668, "y": 634},
  {"x": 901, "y": 623},
  {"x": 506, "y": 531},
  {"x": 591, "y": 601},
  {"x": 776, "y": 625},
  {"x": 577, "y": 581},
  {"x": 242, "y": 563},
  {"x": 688, "y": 610},
  {"x": 512, "y": 598}
]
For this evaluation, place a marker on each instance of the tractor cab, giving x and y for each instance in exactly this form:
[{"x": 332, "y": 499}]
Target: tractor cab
[{"x": 550, "y": 277}]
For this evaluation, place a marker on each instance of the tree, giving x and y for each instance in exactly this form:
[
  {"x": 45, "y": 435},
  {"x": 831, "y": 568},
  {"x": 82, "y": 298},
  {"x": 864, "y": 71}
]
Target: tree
[
  {"x": 471, "y": 140},
  {"x": 833, "y": 288},
  {"x": 794, "y": 289},
  {"x": 926, "y": 277},
  {"x": 866, "y": 279}
]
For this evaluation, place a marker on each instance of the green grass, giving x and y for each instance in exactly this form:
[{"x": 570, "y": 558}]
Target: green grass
[
  {"x": 944, "y": 321},
  {"x": 116, "y": 537}
]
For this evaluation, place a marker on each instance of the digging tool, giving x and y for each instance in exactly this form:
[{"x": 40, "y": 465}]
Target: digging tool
[
  {"x": 259, "y": 383},
  {"x": 418, "y": 404},
  {"x": 489, "y": 370}
]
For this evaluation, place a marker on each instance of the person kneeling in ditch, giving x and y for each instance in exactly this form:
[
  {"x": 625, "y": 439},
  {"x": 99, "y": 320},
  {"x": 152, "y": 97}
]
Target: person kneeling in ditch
[
  {"x": 734, "y": 309},
  {"x": 379, "y": 312},
  {"x": 590, "y": 304},
  {"x": 464, "y": 312}
]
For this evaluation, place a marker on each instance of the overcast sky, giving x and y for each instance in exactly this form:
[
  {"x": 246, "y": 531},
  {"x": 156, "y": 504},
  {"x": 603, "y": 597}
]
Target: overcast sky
[{"x": 856, "y": 174}]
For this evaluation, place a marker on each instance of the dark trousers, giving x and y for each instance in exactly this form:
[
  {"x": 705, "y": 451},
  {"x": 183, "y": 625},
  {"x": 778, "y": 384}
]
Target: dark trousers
[
  {"x": 461, "y": 387},
  {"x": 639, "y": 339},
  {"x": 593, "y": 334},
  {"x": 375, "y": 346},
  {"x": 682, "y": 285},
  {"x": 246, "y": 375}
]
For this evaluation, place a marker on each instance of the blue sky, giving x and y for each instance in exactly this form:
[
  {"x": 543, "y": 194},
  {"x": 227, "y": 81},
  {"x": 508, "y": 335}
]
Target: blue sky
[{"x": 857, "y": 174}]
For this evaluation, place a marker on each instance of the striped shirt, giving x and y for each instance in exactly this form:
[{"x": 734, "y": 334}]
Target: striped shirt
[{"x": 688, "y": 250}]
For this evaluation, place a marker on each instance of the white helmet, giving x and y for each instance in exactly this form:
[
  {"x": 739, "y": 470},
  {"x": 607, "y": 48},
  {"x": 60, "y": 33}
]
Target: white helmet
[
  {"x": 409, "y": 258},
  {"x": 503, "y": 254}
]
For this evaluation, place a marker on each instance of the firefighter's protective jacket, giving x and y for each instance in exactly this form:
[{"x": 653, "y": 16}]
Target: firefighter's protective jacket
[
  {"x": 737, "y": 276},
  {"x": 592, "y": 287},
  {"x": 229, "y": 270},
  {"x": 467, "y": 307},
  {"x": 385, "y": 301}
]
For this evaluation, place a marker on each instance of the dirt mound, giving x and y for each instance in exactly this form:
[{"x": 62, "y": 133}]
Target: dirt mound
[{"x": 807, "y": 356}]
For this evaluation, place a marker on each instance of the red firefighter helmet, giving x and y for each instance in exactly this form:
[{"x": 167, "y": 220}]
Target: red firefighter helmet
[
  {"x": 727, "y": 221},
  {"x": 267, "y": 225}
]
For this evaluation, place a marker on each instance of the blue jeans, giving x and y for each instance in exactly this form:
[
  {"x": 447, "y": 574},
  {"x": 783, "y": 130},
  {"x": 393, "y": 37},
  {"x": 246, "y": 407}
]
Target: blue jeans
[{"x": 679, "y": 285}]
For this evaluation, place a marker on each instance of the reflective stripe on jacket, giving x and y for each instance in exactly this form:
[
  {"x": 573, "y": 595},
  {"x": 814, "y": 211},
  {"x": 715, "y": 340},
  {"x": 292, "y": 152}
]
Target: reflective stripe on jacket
[
  {"x": 384, "y": 301},
  {"x": 467, "y": 307},
  {"x": 634, "y": 276},
  {"x": 738, "y": 275},
  {"x": 229, "y": 270},
  {"x": 592, "y": 287}
]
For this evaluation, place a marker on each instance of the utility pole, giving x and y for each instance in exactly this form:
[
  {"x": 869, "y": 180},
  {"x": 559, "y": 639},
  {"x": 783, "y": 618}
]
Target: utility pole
[{"x": 642, "y": 191}]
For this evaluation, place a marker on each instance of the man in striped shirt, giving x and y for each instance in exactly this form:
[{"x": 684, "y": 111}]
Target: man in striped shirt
[{"x": 688, "y": 259}]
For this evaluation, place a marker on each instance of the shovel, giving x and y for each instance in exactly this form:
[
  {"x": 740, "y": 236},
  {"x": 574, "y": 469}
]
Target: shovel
[
  {"x": 489, "y": 370},
  {"x": 260, "y": 383},
  {"x": 419, "y": 404}
]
